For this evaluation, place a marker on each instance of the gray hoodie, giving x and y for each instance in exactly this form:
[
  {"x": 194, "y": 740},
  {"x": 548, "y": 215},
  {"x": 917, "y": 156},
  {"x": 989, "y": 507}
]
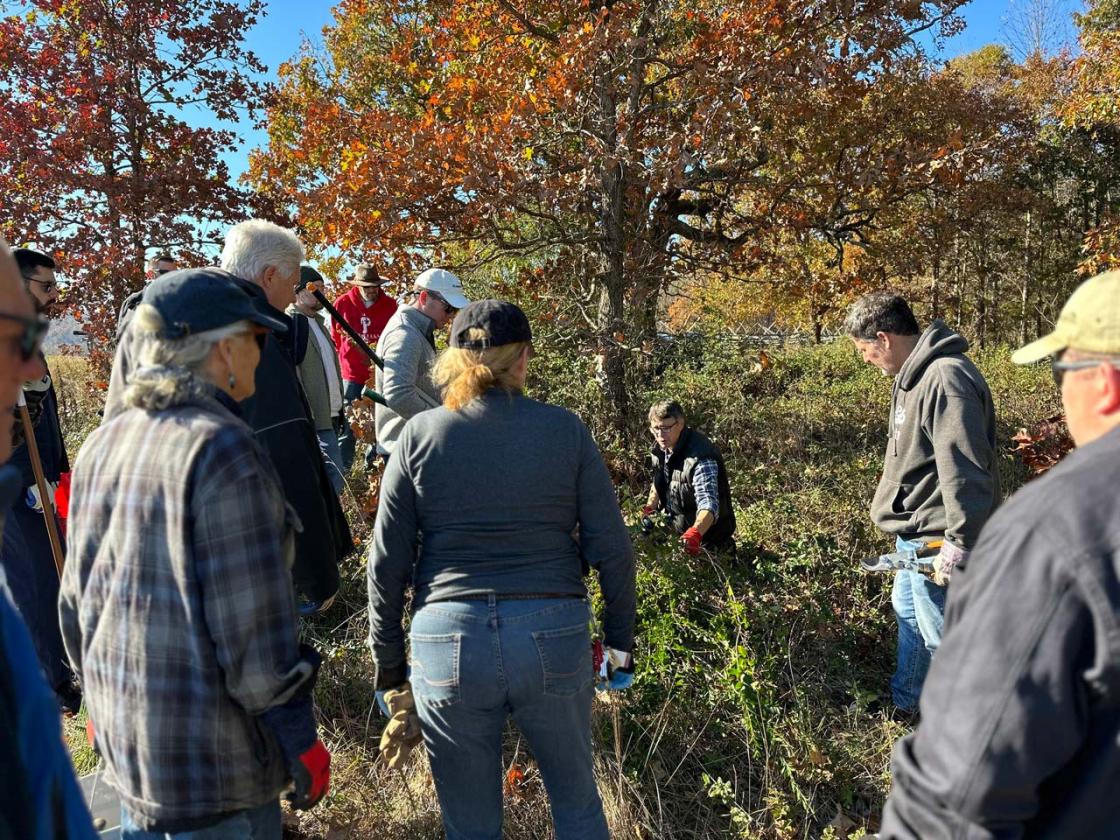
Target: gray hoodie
[
  {"x": 940, "y": 476},
  {"x": 407, "y": 348}
]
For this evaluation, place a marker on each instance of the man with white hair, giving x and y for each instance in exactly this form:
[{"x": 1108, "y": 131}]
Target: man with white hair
[
  {"x": 408, "y": 349},
  {"x": 266, "y": 259}
]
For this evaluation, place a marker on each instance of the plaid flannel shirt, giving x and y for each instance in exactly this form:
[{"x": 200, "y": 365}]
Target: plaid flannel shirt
[{"x": 178, "y": 613}]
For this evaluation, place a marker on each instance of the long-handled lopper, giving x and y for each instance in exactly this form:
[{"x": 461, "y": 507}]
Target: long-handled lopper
[
  {"x": 359, "y": 342},
  {"x": 46, "y": 496}
]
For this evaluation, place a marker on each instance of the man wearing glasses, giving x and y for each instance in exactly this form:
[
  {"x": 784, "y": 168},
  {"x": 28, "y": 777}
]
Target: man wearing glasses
[
  {"x": 40, "y": 796},
  {"x": 407, "y": 346},
  {"x": 25, "y": 553},
  {"x": 689, "y": 482},
  {"x": 940, "y": 478},
  {"x": 1021, "y": 712}
]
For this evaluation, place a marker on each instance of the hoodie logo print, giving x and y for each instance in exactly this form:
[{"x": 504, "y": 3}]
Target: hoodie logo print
[{"x": 899, "y": 420}]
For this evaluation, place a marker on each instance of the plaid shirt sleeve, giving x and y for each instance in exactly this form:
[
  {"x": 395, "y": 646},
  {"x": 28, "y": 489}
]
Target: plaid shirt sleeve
[
  {"x": 242, "y": 547},
  {"x": 705, "y": 484}
]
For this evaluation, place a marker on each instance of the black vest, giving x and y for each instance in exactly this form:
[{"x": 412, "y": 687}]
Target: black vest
[{"x": 673, "y": 482}]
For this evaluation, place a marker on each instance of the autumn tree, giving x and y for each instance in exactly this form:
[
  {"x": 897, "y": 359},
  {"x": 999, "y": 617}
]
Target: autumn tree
[
  {"x": 1094, "y": 105},
  {"x": 621, "y": 147},
  {"x": 96, "y": 162}
]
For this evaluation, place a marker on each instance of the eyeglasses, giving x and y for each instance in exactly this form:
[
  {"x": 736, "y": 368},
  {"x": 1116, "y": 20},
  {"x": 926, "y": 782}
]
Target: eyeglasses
[
  {"x": 1058, "y": 367},
  {"x": 162, "y": 271},
  {"x": 27, "y": 342},
  {"x": 664, "y": 430},
  {"x": 48, "y": 285}
]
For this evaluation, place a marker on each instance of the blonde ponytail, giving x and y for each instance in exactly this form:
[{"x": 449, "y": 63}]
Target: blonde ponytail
[{"x": 465, "y": 375}]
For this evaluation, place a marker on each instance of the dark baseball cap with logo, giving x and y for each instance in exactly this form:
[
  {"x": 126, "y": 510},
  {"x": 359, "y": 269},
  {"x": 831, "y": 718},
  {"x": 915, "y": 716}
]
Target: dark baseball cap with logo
[
  {"x": 195, "y": 300},
  {"x": 502, "y": 321}
]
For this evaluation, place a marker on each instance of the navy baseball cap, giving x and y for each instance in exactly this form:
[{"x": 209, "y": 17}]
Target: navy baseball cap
[
  {"x": 502, "y": 321},
  {"x": 194, "y": 300}
]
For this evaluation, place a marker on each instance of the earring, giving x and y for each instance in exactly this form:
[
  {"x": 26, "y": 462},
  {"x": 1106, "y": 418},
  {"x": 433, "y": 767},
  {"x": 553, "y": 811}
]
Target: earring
[{"x": 232, "y": 382}]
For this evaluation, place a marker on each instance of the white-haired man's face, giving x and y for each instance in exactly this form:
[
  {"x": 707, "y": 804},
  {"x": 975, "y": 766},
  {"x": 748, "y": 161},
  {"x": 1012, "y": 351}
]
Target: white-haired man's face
[{"x": 279, "y": 284}]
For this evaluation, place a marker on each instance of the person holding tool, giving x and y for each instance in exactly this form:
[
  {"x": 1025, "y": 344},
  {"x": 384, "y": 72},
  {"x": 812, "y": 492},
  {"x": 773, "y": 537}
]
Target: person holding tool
[
  {"x": 366, "y": 309},
  {"x": 1021, "y": 712},
  {"x": 32, "y": 552},
  {"x": 177, "y": 605},
  {"x": 689, "y": 483},
  {"x": 319, "y": 373},
  {"x": 40, "y": 796},
  {"x": 940, "y": 478},
  {"x": 490, "y": 489}
]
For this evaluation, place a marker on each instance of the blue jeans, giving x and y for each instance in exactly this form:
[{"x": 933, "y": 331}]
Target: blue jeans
[
  {"x": 328, "y": 443},
  {"x": 919, "y": 606},
  {"x": 477, "y": 663},
  {"x": 260, "y": 823}
]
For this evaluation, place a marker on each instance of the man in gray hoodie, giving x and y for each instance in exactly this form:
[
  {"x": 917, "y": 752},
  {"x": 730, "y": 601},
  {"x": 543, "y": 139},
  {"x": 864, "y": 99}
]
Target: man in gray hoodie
[
  {"x": 1021, "y": 716},
  {"x": 940, "y": 479}
]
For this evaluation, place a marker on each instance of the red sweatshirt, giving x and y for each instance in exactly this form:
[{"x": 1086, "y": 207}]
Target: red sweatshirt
[{"x": 368, "y": 320}]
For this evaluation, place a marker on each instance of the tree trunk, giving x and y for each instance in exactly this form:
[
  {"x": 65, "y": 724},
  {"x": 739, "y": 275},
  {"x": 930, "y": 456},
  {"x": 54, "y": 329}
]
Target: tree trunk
[
  {"x": 612, "y": 280},
  {"x": 1024, "y": 294}
]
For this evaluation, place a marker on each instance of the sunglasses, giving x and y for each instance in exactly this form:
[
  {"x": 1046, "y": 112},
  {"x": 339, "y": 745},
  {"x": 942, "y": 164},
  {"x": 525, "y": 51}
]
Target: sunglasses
[
  {"x": 30, "y": 339},
  {"x": 447, "y": 307},
  {"x": 1058, "y": 367}
]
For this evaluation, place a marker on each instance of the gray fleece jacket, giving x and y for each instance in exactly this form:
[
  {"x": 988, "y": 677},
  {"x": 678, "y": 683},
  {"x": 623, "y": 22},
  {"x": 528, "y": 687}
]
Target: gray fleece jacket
[
  {"x": 408, "y": 350},
  {"x": 940, "y": 476}
]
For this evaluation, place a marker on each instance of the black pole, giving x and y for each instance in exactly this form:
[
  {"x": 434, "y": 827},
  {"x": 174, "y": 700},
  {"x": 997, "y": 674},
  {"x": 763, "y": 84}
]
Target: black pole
[{"x": 346, "y": 328}]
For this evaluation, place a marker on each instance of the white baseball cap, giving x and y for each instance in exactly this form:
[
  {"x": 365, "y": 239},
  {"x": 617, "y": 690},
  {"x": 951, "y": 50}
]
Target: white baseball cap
[{"x": 445, "y": 284}]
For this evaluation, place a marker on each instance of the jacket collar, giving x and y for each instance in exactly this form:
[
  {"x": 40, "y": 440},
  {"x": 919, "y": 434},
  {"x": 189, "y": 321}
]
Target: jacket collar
[{"x": 415, "y": 318}]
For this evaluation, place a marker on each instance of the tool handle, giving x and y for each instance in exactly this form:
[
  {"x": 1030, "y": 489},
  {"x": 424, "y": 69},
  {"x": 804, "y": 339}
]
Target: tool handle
[
  {"x": 45, "y": 496},
  {"x": 359, "y": 342}
]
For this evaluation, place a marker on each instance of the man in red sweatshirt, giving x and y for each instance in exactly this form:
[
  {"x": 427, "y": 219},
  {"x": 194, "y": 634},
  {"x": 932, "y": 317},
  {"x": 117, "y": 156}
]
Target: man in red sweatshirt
[{"x": 366, "y": 309}]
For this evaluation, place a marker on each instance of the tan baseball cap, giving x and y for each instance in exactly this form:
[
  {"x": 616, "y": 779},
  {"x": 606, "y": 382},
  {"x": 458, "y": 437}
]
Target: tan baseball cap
[{"x": 1090, "y": 321}]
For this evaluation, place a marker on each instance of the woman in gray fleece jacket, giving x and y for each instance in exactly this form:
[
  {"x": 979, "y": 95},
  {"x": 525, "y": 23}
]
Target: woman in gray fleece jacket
[{"x": 497, "y": 485}]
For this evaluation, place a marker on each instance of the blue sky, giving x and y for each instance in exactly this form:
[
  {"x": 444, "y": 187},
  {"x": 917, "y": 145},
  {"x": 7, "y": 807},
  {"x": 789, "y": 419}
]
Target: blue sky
[{"x": 277, "y": 37}]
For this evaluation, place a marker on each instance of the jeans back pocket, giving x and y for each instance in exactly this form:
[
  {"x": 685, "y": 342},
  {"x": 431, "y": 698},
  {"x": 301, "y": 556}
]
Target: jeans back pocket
[
  {"x": 435, "y": 668},
  {"x": 565, "y": 655}
]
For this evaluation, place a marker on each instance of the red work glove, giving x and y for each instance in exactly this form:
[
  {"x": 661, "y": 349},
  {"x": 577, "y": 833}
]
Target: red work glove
[
  {"x": 691, "y": 540},
  {"x": 312, "y": 777},
  {"x": 649, "y": 510},
  {"x": 90, "y": 735}
]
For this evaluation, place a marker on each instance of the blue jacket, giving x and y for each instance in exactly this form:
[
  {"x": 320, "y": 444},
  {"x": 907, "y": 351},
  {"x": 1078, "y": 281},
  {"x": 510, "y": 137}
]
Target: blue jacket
[{"x": 39, "y": 798}]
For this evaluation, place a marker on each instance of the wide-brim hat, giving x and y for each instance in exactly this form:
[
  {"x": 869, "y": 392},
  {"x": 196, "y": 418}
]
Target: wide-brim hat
[
  {"x": 197, "y": 300},
  {"x": 366, "y": 275},
  {"x": 1090, "y": 321}
]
